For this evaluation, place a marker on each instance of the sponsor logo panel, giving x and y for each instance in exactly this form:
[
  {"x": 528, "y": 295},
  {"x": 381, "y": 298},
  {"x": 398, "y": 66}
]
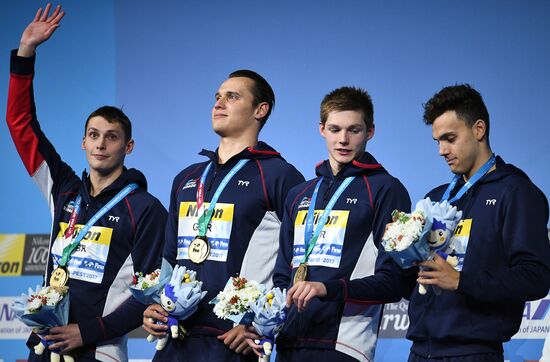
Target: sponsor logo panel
[
  {"x": 395, "y": 320},
  {"x": 35, "y": 256},
  {"x": 10, "y": 326},
  {"x": 11, "y": 254}
]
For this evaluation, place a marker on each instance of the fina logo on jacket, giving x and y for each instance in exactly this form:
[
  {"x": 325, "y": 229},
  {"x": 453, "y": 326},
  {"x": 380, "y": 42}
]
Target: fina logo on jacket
[
  {"x": 306, "y": 201},
  {"x": 190, "y": 184},
  {"x": 69, "y": 207}
]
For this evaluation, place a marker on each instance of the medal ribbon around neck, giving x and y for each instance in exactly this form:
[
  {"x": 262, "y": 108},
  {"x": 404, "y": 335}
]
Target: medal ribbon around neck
[
  {"x": 206, "y": 215},
  {"x": 310, "y": 237},
  {"x": 475, "y": 178},
  {"x": 68, "y": 250}
]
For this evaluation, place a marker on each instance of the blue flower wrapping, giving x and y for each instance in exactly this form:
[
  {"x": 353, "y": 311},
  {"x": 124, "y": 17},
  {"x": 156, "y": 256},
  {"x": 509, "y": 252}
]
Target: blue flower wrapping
[
  {"x": 186, "y": 296},
  {"x": 245, "y": 318},
  {"x": 188, "y": 300},
  {"x": 418, "y": 250},
  {"x": 269, "y": 319},
  {"x": 46, "y": 316},
  {"x": 152, "y": 294}
]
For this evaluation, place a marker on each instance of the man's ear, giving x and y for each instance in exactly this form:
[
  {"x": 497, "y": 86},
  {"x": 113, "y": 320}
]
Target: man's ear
[
  {"x": 479, "y": 129},
  {"x": 261, "y": 110},
  {"x": 129, "y": 147},
  {"x": 370, "y": 133},
  {"x": 322, "y": 129}
]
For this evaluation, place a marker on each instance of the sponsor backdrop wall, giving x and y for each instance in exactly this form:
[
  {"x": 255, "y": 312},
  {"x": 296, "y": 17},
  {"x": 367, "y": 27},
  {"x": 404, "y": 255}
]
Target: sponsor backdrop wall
[{"x": 162, "y": 62}]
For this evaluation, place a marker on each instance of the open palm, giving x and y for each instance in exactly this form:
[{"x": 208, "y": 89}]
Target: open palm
[{"x": 42, "y": 27}]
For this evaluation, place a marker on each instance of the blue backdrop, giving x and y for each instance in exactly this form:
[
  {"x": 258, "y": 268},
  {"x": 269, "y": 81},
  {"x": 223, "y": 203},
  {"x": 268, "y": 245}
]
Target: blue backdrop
[{"x": 163, "y": 61}]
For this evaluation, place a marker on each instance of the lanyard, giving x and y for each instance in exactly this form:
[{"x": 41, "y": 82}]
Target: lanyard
[
  {"x": 206, "y": 216},
  {"x": 475, "y": 178},
  {"x": 67, "y": 251},
  {"x": 310, "y": 237}
]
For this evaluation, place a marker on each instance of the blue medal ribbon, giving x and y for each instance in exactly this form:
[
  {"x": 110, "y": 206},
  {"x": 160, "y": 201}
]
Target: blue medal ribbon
[
  {"x": 475, "y": 178},
  {"x": 206, "y": 216},
  {"x": 310, "y": 237},
  {"x": 67, "y": 251}
]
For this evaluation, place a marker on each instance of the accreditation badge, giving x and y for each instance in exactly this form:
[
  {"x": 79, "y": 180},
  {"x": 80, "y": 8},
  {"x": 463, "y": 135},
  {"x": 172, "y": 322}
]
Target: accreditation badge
[
  {"x": 199, "y": 249},
  {"x": 59, "y": 277},
  {"x": 301, "y": 273}
]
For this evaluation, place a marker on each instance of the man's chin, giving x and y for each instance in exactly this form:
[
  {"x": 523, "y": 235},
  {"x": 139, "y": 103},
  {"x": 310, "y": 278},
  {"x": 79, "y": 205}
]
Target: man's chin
[{"x": 104, "y": 171}]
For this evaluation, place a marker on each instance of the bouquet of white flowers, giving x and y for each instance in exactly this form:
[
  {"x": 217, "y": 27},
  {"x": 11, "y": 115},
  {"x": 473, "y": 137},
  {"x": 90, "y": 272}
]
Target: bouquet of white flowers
[
  {"x": 269, "y": 317},
  {"x": 41, "y": 309},
  {"x": 410, "y": 237},
  {"x": 147, "y": 288},
  {"x": 404, "y": 237},
  {"x": 234, "y": 301}
]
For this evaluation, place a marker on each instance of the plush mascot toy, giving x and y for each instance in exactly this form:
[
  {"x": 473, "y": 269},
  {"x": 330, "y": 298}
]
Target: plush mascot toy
[
  {"x": 439, "y": 239},
  {"x": 179, "y": 298},
  {"x": 444, "y": 218}
]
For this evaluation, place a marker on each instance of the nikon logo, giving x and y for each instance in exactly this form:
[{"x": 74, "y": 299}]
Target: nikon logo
[
  {"x": 7, "y": 267},
  {"x": 90, "y": 235},
  {"x": 193, "y": 211},
  {"x": 331, "y": 220}
]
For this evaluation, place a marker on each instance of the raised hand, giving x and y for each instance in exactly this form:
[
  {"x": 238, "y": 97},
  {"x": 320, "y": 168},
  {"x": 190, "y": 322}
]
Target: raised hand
[{"x": 39, "y": 30}]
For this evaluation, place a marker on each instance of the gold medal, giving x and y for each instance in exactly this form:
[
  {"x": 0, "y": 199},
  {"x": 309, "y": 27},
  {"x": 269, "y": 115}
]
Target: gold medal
[
  {"x": 301, "y": 273},
  {"x": 199, "y": 249},
  {"x": 59, "y": 277}
]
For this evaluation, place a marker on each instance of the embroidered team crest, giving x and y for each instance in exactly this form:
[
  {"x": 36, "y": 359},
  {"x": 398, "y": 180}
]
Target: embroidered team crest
[
  {"x": 69, "y": 207},
  {"x": 304, "y": 204},
  {"x": 190, "y": 184}
]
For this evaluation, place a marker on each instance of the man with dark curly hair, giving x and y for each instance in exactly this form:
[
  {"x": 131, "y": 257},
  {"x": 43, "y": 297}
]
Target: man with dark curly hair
[{"x": 501, "y": 242}]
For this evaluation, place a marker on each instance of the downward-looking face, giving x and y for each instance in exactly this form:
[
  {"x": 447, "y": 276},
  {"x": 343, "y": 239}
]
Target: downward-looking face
[{"x": 346, "y": 136}]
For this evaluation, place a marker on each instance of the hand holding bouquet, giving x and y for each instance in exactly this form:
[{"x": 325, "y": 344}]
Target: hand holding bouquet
[
  {"x": 41, "y": 309},
  {"x": 269, "y": 317}
]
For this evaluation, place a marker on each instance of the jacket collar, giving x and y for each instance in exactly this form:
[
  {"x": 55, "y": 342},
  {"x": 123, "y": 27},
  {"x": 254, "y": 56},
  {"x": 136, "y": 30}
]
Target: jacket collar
[{"x": 365, "y": 165}]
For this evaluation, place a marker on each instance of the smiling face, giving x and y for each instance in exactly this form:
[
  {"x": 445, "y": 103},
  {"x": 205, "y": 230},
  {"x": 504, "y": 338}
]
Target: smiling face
[
  {"x": 346, "y": 136},
  {"x": 460, "y": 144},
  {"x": 234, "y": 112},
  {"x": 105, "y": 146}
]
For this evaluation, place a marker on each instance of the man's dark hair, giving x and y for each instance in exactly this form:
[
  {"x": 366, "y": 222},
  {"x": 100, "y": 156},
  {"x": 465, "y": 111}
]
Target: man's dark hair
[
  {"x": 461, "y": 98},
  {"x": 113, "y": 115},
  {"x": 348, "y": 99},
  {"x": 261, "y": 90}
]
